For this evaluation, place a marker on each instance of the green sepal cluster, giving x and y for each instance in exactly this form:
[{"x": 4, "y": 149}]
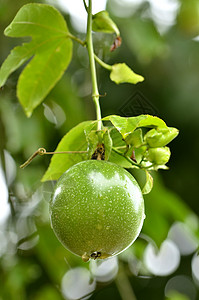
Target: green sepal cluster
[{"x": 123, "y": 141}]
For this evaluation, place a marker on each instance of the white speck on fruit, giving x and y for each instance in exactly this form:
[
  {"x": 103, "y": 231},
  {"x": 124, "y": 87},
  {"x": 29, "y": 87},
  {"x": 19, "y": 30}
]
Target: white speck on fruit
[{"x": 57, "y": 191}]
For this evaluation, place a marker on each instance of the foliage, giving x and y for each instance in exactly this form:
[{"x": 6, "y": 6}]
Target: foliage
[
  {"x": 50, "y": 47},
  {"x": 54, "y": 53},
  {"x": 171, "y": 85}
]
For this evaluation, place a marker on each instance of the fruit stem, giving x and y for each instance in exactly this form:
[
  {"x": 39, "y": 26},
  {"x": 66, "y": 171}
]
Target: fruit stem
[{"x": 95, "y": 92}]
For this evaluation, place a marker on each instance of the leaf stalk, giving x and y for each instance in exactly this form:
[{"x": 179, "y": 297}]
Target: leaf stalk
[{"x": 102, "y": 63}]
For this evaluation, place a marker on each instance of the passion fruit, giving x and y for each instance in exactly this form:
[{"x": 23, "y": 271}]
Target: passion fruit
[{"x": 97, "y": 209}]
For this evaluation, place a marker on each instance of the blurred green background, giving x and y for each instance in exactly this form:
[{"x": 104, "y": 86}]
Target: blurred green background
[{"x": 160, "y": 42}]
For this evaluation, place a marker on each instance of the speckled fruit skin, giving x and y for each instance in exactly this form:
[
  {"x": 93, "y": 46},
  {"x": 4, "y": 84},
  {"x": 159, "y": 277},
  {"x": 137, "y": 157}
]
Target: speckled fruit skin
[{"x": 97, "y": 209}]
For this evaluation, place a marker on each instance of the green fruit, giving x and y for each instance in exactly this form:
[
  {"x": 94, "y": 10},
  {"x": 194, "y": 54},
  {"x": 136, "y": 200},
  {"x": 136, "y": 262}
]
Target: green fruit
[
  {"x": 158, "y": 156},
  {"x": 97, "y": 209}
]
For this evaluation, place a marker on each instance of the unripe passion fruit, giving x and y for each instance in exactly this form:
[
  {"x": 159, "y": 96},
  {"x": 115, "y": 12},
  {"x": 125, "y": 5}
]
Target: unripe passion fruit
[{"x": 97, "y": 209}]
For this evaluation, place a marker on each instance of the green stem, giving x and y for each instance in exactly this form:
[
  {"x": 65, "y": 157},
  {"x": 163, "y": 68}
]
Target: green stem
[
  {"x": 103, "y": 64},
  {"x": 127, "y": 158},
  {"x": 85, "y": 5},
  {"x": 73, "y": 37},
  {"x": 83, "y": 43},
  {"x": 95, "y": 92}
]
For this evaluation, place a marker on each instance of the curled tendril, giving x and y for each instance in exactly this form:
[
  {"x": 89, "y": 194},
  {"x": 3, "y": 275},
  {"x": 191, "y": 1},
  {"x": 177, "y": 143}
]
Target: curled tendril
[{"x": 41, "y": 151}]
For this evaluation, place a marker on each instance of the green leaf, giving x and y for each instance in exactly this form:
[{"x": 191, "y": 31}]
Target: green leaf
[
  {"x": 92, "y": 140},
  {"x": 41, "y": 74},
  {"x": 107, "y": 144},
  {"x": 116, "y": 137},
  {"x": 17, "y": 57},
  {"x": 139, "y": 153},
  {"x": 135, "y": 138},
  {"x": 120, "y": 160},
  {"x": 50, "y": 46},
  {"x": 95, "y": 138},
  {"x": 74, "y": 140},
  {"x": 115, "y": 157},
  {"x": 149, "y": 184},
  {"x": 127, "y": 125},
  {"x": 121, "y": 73},
  {"x": 103, "y": 23},
  {"x": 37, "y": 20}
]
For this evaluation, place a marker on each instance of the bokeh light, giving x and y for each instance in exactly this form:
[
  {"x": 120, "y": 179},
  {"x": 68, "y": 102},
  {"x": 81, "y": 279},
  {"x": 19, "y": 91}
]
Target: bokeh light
[
  {"x": 183, "y": 238},
  {"x": 183, "y": 285},
  {"x": 77, "y": 283},
  {"x": 195, "y": 268},
  {"x": 5, "y": 207},
  {"x": 77, "y": 11},
  {"x": 104, "y": 270},
  {"x": 162, "y": 262}
]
